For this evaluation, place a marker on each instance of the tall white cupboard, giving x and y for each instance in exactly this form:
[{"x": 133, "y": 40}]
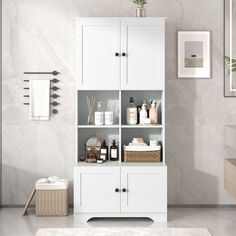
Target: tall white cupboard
[{"x": 116, "y": 58}]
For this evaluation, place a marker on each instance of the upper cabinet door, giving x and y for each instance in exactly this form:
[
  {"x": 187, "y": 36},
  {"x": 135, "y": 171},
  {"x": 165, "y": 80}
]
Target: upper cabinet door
[
  {"x": 143, "y": 53},
  {"x": 97, "y": 65}
]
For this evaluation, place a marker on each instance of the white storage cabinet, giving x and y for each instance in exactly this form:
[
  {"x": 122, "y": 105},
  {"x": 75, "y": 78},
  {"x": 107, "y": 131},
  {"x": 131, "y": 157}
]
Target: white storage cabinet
[{"x": 116, "y": 58}]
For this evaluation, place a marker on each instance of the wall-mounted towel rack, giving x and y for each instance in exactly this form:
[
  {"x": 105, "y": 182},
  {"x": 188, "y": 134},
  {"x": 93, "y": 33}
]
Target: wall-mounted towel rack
[
  {"x": 39, "y": 95},
  {"x": 42, "y": 73}
]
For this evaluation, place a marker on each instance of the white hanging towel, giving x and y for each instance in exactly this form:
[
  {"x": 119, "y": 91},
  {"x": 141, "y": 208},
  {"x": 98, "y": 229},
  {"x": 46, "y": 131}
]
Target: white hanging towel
[{"x": 39, "y": 99}]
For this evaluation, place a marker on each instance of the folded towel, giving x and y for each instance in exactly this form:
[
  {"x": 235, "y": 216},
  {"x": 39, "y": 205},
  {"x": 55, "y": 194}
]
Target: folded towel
[
  {"x": 142, "y": 148},
  {"x": 39, "y": 99}
]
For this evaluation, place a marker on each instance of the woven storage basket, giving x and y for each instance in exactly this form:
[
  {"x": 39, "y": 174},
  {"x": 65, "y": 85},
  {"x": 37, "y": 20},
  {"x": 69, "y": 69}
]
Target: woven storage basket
[
  {"x": 52, "y": 202},
  {"x": 147, "y": 156}
]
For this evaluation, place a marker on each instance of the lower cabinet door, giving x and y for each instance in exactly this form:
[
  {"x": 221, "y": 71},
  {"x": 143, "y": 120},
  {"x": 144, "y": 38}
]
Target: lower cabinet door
[
  {"x": 144, "y": 189},
  {"x": 95, "y": 189}
]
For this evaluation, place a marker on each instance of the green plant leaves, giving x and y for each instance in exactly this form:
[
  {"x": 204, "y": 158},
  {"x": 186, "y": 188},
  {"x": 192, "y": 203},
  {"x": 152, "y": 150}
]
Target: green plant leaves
[
  {"x": 140, "y": 2},
  {"x": 230, "y": 62}
]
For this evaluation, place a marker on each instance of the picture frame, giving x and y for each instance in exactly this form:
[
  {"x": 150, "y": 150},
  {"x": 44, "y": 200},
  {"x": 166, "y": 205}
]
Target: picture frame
[
  {"x": 194, "y": 54},
  {"x": 229, "y": 48}
]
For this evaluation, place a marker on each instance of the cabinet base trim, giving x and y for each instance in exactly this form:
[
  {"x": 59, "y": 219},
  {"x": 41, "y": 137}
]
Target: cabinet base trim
[{"x": 159, "y": 217}]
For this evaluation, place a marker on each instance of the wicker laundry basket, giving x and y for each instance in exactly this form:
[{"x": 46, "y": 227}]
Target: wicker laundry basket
[{"x": 52, "y": 198}]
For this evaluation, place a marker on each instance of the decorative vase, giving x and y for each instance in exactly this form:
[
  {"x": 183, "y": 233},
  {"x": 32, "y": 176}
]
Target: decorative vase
[{"x": 140, "y": 11}]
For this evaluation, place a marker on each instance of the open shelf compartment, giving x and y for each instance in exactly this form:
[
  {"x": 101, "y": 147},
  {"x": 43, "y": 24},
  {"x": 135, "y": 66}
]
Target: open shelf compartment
[
  {"x": 104, "y": 97},
  {"x": 85, "y": 134},
  {"x": 139, "y": 96}
]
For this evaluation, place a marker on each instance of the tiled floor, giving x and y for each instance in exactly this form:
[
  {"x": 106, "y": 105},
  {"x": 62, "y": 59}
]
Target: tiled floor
[{"x": 219, "y": 221}]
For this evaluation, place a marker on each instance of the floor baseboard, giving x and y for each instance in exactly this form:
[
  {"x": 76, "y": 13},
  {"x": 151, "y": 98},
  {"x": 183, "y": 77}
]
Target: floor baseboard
[
  {"x": 201, "y": 206},
  {"x": 169, "y": 206}
]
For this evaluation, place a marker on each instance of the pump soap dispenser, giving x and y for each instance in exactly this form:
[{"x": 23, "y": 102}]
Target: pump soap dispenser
[{"x": 99, "y": 115}]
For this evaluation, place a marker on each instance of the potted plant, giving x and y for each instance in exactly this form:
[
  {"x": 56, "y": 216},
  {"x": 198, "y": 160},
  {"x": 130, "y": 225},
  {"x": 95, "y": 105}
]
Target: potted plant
[
  {"x": 230, "y": 64},
  {"x": 140, "y": 11}
]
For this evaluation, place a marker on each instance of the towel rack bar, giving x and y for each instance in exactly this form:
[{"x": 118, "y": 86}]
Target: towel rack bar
[{"x": 42, "y": 73}]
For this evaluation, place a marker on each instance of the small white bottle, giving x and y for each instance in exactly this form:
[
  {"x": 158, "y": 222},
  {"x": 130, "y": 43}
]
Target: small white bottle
[
  {"x": 99, "y": 115},
  {"x": 143, "y": 115},
  {"x": 108, "y": 116}
]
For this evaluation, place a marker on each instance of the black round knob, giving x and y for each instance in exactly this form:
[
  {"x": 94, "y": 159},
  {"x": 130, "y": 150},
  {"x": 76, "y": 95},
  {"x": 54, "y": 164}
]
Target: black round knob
[
  {"x": 55, "y": 80},
  {"x": 117, "y": 54},
  {"x": 54, "y": 96},
  {"x": 55, "y": 72},
  {"x": 123, "y": 54},
  {"x": 123, "y": 190},
  {"x": 54, "y": 111},
  {"x": 117, "y": 190},
  {"x": 54, "y": 88}
]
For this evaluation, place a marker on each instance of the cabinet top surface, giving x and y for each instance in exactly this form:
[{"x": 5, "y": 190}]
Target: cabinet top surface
[
  {"x": 122, "y": 164},
  {"x": 122, "y": 17}
]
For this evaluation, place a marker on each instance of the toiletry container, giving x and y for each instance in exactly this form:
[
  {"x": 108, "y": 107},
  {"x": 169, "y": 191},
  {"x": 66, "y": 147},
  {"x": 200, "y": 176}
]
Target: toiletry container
[
  {"x": 153, "y": 113},
  {"x": 143, "y": 115},
  {"x": 99, "y": 115},
  {"x": 146, "y": 106},
  {"x": 108, "y": 116},
  {"x": 104, "y": 151},
  {"x": 132, "y": 113},
  {"x": 114, "y": 154}
]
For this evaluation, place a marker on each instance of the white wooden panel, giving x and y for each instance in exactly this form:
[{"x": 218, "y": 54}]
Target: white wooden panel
[
  {"x": 146, "y": 189},
  {"x": 97, "y": 41},
  {"x": 143, "y": 41},
  {"x": 94, "y": 189}
]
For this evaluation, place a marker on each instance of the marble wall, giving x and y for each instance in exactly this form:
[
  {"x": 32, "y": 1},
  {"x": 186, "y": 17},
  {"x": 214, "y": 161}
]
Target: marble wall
[{"x": 39, "y": 35}]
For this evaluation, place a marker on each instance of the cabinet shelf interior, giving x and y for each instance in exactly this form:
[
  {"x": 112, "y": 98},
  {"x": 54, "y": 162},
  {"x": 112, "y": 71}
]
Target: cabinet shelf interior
[{"x": 103, "y": 96}]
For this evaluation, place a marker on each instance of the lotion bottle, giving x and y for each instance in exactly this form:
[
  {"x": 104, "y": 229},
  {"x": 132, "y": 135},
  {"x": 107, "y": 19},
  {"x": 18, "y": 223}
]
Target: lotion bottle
[
  {"x": 153, "y": 113},
  {"x": 99, "y": 115},
  {"x": 132, "y": 115},
  {"x": 143, "y": 115}
]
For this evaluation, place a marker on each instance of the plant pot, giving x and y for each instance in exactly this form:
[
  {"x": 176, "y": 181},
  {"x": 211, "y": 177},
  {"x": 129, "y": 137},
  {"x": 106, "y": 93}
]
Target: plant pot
[{"x": 140, "y": 11}]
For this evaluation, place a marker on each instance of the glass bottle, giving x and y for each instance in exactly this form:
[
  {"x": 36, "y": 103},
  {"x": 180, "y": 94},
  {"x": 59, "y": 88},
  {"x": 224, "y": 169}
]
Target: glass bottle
[
  {"x": 114, "y": 154},
  {"x": 104, "y": 151}
]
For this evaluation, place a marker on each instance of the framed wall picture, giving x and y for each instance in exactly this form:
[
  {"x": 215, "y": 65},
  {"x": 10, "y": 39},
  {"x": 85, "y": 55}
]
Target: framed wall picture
[
  {"x": 230, "y": 48},
  {"x": 194, "y": 54}
]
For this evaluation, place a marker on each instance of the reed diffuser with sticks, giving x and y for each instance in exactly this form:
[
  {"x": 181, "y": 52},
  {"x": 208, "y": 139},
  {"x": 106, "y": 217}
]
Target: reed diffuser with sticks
[{"x": 90, "y": 104}]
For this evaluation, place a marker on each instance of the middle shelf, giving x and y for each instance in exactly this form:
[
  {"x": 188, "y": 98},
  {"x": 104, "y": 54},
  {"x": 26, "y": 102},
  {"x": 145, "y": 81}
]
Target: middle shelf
[{"x": 122, "y": 126}]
